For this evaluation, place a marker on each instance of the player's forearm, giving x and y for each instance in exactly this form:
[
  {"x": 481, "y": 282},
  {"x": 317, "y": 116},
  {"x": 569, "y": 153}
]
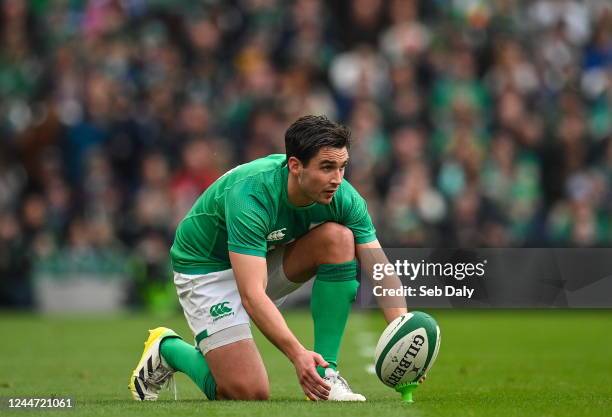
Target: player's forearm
[
  {"x": 391, "y": 313},
  {"x": 370, "y": 254},
  {"x": 270, "y": 321},
  {"x": 391, "y": 306}
]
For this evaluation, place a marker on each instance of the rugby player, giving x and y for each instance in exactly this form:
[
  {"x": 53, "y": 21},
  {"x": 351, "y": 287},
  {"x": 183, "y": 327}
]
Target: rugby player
[{"x": 257, "y": 234}]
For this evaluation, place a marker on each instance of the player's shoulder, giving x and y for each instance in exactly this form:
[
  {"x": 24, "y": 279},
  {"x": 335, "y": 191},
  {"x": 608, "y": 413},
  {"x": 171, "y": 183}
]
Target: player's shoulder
[
  {"x": 255, "y": 177},
  {"x": 272, "y": 161},
  {"x": 347, "y": 191},
  {"x": 258, "y": 168},
  {"x": 347, "y": 200}
]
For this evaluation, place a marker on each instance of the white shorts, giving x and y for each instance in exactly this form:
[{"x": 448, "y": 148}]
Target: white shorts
[{"x": 212, "y": 305}]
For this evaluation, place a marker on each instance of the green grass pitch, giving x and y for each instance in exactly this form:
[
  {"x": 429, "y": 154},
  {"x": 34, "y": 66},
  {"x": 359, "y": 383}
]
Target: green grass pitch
[{"x": 491, "y": 363}]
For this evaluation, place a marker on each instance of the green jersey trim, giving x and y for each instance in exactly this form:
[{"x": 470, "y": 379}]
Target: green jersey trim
[
  {"x": 200, "y": 269},
  {"x": 366, "y": 239},
  {"x": 243, "y": 250},
  {"x": 201, "y": 336}
]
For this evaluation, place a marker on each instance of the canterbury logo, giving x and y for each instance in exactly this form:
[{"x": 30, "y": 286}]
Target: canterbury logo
[
  {"x": 219, "y": 309},
  {"x": 277, "y": 234}
]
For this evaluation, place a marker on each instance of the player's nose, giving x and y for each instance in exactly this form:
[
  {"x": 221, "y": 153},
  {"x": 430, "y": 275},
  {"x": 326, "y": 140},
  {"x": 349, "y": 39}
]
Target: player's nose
[{"x": 337, "y": 178}]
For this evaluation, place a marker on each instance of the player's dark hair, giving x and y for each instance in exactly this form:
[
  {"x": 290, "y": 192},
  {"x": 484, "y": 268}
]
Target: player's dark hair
[{"x": 308, "y": 134}]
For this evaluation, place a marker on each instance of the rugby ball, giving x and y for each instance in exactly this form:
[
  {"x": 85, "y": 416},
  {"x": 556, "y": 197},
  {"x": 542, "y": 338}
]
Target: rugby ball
[{"x": 407, "y": 348}]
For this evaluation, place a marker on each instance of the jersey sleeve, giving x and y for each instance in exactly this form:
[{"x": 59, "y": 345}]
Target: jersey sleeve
[
  {"x": 246, "y": 220},
  {"x": 355, "y": 216}
]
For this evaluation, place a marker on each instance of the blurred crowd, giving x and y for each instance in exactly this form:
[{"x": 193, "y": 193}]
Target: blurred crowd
[{"x": 475, "y": 123}]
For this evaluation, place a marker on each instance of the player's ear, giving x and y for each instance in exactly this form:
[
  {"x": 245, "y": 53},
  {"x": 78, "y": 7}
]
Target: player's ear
[{"x": 294, "y": 164}]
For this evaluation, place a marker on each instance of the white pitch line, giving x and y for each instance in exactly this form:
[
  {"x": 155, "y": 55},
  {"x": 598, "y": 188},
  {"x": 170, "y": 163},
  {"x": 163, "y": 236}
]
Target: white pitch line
[{"x": 371, "y": 369}]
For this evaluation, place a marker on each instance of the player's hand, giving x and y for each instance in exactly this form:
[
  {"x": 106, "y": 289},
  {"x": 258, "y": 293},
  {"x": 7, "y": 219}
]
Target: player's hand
[
  {"x": 312, "y": 384},
  {"x": 422, "y": 379}
]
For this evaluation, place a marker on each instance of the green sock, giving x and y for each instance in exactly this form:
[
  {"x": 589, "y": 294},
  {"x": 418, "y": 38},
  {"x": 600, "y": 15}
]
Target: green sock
[
  {"x": 332, "y": 296},
  {"x": 186, "y": 358}
]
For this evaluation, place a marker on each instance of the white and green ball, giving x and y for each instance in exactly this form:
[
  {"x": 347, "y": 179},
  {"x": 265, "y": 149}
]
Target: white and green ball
[{"x": 407, "y": 348}]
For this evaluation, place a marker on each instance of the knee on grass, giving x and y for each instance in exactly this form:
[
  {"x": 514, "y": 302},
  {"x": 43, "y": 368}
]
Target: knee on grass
[{"x": 241, "y": 390}]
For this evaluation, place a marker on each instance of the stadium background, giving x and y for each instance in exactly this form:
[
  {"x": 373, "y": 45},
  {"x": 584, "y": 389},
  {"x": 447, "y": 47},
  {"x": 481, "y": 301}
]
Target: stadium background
[{"x": 476, "y": 123}]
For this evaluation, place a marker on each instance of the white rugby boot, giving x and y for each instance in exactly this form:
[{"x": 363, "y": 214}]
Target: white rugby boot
[
  {"x": 340, "y": 390},
  {"x": 152, "y": 371}
]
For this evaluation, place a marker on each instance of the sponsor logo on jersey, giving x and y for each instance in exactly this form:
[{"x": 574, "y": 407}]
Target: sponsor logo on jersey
[
  {"x": 276, "y": 235},
  {"x": 220, "y": 310}
]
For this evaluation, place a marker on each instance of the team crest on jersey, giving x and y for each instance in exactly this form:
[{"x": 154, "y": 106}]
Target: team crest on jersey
[{"x": 276, "y": 235}]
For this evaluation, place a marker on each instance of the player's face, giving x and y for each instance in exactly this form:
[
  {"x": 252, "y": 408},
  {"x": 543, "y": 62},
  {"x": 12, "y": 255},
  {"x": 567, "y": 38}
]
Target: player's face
[{"x": 320, "y": 179}]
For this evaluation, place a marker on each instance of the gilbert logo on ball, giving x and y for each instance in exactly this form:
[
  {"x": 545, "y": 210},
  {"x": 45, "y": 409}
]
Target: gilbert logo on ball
[{"x": 407, "y": 348}]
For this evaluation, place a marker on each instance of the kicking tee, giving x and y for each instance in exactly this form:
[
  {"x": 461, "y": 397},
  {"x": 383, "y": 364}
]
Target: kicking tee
[{"x": 247, "y": 211}]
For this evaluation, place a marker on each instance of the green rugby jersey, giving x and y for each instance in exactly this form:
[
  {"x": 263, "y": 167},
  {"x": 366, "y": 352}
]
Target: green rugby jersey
[{"x": 247, "y": 211}]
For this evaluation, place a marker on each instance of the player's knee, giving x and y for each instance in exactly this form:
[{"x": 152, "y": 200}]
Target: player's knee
[
  {"x": 249, "y": 393},
  {"x": 245, "y": 391},
  {"x": 260, "y": 394},
  {"x": 337, "y": 243}
]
